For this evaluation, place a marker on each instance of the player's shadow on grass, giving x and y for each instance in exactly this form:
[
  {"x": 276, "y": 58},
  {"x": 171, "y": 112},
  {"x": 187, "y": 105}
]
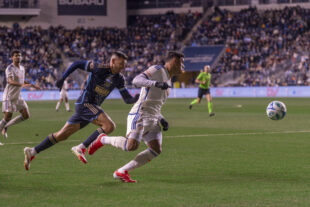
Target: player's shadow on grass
[{"x": 115, "y": 184}]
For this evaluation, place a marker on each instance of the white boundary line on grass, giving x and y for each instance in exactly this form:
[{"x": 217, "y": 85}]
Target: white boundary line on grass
[
  {"x": 193, "y": 135},
  {"x": 237, "y": 134}
]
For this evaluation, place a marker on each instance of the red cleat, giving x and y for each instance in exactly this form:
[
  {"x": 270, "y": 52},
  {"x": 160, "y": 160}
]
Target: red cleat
[
  {"x": 80, "y": 153},
  {"x": 124, "y": 177},
  {"x": 95, "y": 145}
]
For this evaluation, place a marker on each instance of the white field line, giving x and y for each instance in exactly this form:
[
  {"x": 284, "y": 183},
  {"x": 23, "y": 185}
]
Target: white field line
[
  {"x": 192, "y": 135},
  {"x": 237, "y": 134}
]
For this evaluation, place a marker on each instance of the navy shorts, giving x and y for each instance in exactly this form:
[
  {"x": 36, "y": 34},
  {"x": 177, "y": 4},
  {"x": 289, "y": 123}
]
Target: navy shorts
[
  {"x": 202, "y": 92},
  {"x": 84, "y": 114}
]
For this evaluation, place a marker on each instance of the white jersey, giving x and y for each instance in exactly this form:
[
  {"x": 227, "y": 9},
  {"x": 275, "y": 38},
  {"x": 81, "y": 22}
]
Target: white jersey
[
  {"x": 152, "y": 99},
  {"x": 17, "y": 74}
]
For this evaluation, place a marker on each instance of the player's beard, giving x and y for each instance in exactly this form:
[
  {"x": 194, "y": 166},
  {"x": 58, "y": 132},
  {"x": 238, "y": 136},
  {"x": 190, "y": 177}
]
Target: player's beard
[{"x": 17, "y": 61}]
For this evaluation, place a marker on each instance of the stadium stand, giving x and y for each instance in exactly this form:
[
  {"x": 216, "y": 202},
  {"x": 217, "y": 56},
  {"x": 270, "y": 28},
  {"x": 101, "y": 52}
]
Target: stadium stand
[
  {"x": 19, "y": 4},
  {"x": 143, "y": 4},
  {"x": 259, "y": 50},
  {"x": 145, "y": 40}
]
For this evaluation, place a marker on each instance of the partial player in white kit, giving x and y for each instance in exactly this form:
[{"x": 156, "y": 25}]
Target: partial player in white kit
[
  {"x": 64, "y": 96},
  {"x": 12, "y": 100},
  {"x": 144, "y": 117}
]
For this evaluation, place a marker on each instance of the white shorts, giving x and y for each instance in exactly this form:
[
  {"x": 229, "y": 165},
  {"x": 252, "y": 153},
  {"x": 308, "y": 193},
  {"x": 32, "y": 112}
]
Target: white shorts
[
  {"x": 12, "y": 106},
  {"x": 139, "y": 128},
  {"x": 64, "y": 94}
]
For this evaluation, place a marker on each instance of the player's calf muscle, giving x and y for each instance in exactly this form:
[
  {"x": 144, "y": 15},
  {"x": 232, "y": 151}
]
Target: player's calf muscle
[
  {"x": 65, "y": 133},
  {"x": 26, "y": 116},
  {"x": 132, "y": 146}
]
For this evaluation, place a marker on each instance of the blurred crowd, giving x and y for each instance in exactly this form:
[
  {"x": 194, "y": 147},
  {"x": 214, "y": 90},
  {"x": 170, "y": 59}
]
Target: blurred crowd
[
  {"x": 263, "y": 48},
  {"x": 40, "y": 58},
  {"x": 145, "y": 40}
]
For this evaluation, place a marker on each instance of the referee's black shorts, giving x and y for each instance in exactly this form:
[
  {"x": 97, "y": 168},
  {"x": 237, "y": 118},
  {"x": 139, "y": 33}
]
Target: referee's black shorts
[{"x": 202, "y": 92}]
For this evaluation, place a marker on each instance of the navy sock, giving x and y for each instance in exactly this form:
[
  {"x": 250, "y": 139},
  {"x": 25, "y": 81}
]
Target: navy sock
[
  {"x": 46, "y": 143},
  {"x": 93, "y": 137}
]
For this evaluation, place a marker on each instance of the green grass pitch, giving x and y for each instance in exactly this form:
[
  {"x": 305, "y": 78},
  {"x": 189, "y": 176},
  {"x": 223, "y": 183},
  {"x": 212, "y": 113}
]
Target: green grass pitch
[{"x": 239, "y": 158}]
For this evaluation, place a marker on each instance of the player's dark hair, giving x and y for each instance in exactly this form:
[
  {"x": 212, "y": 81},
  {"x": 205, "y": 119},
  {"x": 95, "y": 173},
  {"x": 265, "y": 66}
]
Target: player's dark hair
[
  {"x": 120, "y": 54},
  {"x": 13, "y": 52},
  {"x": 173, "y": 54}
]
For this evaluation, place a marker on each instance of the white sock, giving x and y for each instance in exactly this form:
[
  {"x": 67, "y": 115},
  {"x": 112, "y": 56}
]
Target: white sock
[
  {"x": 33, "y": 152},
  {"x": 141, "y": 159},
  {"x": 16, "y": 120},
  {"x": 81, "y": 146},
  {"x": 57, "y": 105},
  {"x": 118, "y": 142},
  {"x": 2, "y": 124},
  {"x": 67, "y": 106}
]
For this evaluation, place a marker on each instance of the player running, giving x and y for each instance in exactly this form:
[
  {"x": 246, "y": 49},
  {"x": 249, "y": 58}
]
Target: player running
[
  {"x": 144, "y": 117},
  {"x": 204, "y": 80},
  {"x": 101, "y": 81},
  {"x": 12, "y": 99}
]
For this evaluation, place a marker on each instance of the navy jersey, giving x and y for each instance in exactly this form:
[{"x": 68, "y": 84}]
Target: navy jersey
[{"x": 100, "y": 84}]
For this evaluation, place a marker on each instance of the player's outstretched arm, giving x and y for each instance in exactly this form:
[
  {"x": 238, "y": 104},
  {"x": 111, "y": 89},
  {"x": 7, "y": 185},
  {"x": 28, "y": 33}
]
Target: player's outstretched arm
[
  {"x": 83, "y": 65},
  {"x": 27, "y": 84},
  {"x": 14, "y": 83},
  {"x": 36, "y": 87},
  {"x": 127, "y": 97},
  {"x": 142, "y": 80},
  {"x": 162, "y": 85}
]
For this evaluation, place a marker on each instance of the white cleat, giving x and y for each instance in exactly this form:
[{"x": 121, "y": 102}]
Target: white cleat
[
  {"x": 28, "y": 157},
  {"x": 1, "y": 144},
  {"x": 80, "y": 153}
]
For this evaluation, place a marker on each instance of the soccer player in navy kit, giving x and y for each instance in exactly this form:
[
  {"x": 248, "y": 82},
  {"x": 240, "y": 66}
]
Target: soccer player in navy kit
[{"x": 101, "y": 81}]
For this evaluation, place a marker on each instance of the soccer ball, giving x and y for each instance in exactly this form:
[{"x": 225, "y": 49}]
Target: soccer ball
[{"x": 276, "y": 110}]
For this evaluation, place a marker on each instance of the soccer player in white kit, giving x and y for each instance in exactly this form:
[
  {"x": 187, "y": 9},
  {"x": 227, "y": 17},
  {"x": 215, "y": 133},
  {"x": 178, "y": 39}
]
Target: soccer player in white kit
[
  {"x": 12, "y": 100},
  {"x": 144, "y": 117},
  {"x": 64, "y": 96}
]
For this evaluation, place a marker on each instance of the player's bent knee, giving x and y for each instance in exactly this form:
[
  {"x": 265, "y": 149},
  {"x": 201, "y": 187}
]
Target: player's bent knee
[
  {"x": 158, "y": 149},
  {"x": 132, "y": 144},
  {"x": 132, "y": 147},
  {"x": 109, "y": 127},
  {"x": 8, "y": 118}
]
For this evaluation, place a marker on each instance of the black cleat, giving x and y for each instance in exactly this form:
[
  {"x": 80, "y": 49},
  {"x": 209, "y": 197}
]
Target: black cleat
[
  {"x": 212, "y": 114},
  {"x": 190, "y": 107}
]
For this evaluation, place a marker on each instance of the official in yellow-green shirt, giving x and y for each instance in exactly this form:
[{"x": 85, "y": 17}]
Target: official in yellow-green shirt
[{"x": 204, "y": 80}]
